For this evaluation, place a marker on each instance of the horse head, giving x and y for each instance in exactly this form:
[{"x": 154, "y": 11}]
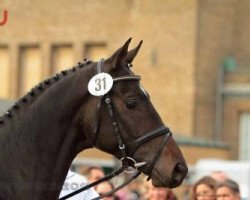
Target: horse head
[{"x": 123, "y": 122}]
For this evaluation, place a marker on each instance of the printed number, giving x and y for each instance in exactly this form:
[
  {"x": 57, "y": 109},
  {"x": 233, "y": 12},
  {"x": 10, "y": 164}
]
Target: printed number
[{"x": 100, "y": 84}]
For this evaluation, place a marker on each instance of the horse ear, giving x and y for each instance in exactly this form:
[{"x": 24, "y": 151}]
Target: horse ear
[
  {"x": 115, "y": 61},
  {"x": 132, "y": 53}
]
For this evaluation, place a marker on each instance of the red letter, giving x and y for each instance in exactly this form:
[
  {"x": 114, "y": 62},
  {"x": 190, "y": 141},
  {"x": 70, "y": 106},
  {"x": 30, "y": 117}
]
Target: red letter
[{"x": 5, "y": 16}]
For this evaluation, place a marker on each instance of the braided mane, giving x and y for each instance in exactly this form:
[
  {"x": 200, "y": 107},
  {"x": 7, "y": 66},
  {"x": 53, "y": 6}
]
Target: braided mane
[{"x": 35, "y": 91}]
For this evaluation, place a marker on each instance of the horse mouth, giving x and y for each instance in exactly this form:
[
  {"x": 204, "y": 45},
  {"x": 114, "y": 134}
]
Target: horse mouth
[{"x": 159, "y": 180}]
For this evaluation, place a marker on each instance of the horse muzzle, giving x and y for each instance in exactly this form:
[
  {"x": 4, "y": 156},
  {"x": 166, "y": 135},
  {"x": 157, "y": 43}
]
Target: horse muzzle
[{"x": 159, "y": 179}]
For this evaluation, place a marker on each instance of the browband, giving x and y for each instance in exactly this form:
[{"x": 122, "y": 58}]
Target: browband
[
  {"x": 127, "y": 78},
  {"x": 119, "y": 78}
]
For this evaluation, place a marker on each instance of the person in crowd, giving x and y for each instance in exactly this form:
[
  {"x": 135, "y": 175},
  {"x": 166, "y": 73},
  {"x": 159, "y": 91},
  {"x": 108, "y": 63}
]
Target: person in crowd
[
  {"x": 134, "y": 190},
  {"x": 74, "y": 182},
  {"x": 124, "y": 193},
  {"x": 94, "y": 173},
  {"x": 204, "y": 189},
  {"x": 104, "y": 188},
  {"x": 153, "y": 193},
  {"x": 228, "y": 190}
]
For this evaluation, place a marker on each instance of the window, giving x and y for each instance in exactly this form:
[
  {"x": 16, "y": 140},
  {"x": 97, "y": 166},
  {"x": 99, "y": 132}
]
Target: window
[
  {"x": 95, "y": 51},
  {"x": 244, "y": 141},
  {"x": 62, "y": 57},
  {"x": 30, "y": 68},
  {"x": 5, "y": 72}
]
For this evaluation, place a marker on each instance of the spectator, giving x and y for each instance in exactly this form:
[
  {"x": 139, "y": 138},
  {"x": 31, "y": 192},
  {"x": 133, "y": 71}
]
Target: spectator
[
  {"x": 204, "y": 189},
  {"x": 228, "y": 190},
  {"x": 104, "y": 188},
  {"x": 134, "y": 193},
  {"x": 153, "y": 193},
  {"x": 94, "y": 173}
]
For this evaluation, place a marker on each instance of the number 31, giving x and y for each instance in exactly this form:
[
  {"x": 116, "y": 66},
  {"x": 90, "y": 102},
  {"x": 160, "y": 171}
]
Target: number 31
[{"x": 100, "y": 84}]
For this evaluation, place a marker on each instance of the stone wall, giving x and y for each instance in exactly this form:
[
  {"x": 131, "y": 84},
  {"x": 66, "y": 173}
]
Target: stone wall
[{"x": 166, "y": 61}]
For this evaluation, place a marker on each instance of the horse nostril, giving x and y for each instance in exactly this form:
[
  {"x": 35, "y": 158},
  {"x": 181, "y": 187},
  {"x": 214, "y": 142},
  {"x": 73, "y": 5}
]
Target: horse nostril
[{"x": 180, "y": 170}]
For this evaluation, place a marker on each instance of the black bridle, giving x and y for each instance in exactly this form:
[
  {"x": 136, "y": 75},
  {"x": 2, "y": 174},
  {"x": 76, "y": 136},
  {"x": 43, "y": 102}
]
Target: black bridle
[{"x": 127, "y": 156}]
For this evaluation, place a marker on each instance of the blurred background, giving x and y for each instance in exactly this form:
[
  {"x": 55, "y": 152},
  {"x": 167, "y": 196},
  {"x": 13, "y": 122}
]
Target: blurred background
[{"x": 194, "y": 63}]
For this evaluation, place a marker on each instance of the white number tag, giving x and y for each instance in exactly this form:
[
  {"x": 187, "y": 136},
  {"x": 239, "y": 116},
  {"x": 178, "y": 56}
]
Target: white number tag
[{"x": 100, "y": 84}]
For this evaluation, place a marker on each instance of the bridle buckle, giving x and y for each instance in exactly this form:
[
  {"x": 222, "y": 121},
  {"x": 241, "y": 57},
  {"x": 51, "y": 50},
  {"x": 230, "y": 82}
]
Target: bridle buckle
[
  {"x": 122, "y": 147},
  {"x": 133, "y": 167}
]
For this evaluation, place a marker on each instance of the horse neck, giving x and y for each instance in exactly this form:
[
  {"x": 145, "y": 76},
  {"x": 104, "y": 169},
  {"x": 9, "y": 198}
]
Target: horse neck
[{"x": 41, "y": 142}]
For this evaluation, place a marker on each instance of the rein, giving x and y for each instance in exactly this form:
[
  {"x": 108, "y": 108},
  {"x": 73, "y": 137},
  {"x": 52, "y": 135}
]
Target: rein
[{"x": 127, "y": 160}]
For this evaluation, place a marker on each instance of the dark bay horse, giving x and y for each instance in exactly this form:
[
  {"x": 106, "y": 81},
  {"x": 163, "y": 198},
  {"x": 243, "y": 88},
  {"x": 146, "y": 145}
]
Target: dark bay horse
[{"x": 43, "y": 132}]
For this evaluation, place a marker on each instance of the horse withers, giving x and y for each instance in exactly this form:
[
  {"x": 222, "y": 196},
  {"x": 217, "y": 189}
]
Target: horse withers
[{"x": 44, "y": 131}]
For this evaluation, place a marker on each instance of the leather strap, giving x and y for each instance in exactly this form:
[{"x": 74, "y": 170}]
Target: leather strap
[
  {"x": 157, "y": 154},
  {"x": 146, "y": 137}
]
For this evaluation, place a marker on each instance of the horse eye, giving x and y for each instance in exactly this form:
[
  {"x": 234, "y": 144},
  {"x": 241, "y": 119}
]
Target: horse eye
[{"x": 131, "y": 103}]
